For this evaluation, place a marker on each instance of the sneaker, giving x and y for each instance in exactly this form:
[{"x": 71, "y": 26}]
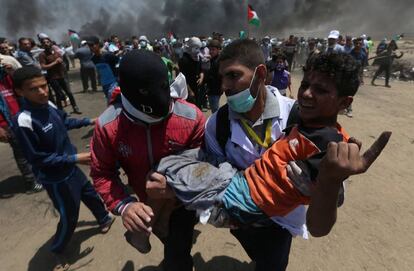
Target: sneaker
[
  {"x": 61, "y": 263},
  {"x": 107, "y": 226},
  {"x": 76, "y": 110},
  {"x": 387, "y": 86},
  {"x": 219, "y": 218},
  {"x": 34, "y": 187},
  {"x": 66, "y": 102},
  {"x": 61, "y": 267},
  {"x": 139, "y": 240},
  {"x": 349, "y": 114}
]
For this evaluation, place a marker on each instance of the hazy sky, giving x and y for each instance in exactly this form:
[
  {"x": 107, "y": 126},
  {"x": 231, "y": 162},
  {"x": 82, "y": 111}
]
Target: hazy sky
[{"x": 155, "y": 18}]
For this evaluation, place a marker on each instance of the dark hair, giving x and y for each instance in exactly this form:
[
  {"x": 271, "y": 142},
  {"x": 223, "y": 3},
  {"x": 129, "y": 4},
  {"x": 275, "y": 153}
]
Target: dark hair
[
  {"x": 3, "y": 40},
  {"x": 279, "y": 56},
  {"x": 246, "y": 52},
  {"x": 156, "y": 48},
  {"x": 214, "y": 44},
  {"x": 25, "y": 73},
  {"x": 340, "y": 67},
  {"x": 393, "y": 45},
  {"x": 92, "y": 40},
  {"x": 22, "y": 39}
]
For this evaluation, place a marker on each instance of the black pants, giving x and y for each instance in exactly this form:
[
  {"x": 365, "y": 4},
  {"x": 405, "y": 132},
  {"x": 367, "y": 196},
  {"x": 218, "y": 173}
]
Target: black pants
[
  {"x": 178, "y": 244},
  {"x": 86, "y": 75},
  {"x": 201, "y": 98},
  {"x": 289, "y": 59},
  {"x": 268, "y": 247},
  {"x": 381, "y": 69},
  {"x": 59, "y": 86},
  {"x": 23, "y": 165}
]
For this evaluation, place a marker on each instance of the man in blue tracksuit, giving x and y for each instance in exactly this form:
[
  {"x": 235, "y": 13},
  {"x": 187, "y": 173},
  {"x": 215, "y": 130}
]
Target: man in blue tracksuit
[{"x": 42, "y": 132}]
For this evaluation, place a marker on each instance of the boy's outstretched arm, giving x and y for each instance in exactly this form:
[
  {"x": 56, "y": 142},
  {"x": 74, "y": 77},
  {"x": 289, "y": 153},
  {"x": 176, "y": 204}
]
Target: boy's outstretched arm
[{"x": 341, "y": 161}]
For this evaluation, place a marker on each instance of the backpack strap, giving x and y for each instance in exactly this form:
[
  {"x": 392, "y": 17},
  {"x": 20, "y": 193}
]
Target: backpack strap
[
  {"x": 293, "y": 118},
  {"x": 223, "y": 126}
]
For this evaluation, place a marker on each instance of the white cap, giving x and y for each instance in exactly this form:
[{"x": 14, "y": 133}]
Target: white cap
[
  {"x": 363, "y": 36},
  {"x": 41, "y": 36},
  {"x": 143, "y": 38},
  {"x": 194, "y": 42},
  {"x": 83, "y": 42},
  {"x": 334, "y": 34}
]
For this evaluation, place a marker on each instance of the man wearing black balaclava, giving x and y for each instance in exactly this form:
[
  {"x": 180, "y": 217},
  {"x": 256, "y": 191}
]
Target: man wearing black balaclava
[{"x": 148, "y": 125}]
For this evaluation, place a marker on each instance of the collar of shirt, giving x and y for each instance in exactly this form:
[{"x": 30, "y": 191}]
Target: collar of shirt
[{"x": 271, "y": 110}]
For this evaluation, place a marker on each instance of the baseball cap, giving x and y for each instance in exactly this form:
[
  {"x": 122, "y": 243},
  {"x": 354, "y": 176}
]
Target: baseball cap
[
  {"x": 334, "y": 34},
  {"x": 92, "y": 40},
  {"x": 143, "y": 78}
]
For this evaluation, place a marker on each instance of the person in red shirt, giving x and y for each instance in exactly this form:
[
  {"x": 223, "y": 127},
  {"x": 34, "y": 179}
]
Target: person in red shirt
[
  {"x": 9, "y": 107},
  {"x": 146, "y": 126}
]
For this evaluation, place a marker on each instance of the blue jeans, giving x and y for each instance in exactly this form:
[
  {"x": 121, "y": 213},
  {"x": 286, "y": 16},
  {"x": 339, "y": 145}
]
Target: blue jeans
[{"x": 214, "y": 100}]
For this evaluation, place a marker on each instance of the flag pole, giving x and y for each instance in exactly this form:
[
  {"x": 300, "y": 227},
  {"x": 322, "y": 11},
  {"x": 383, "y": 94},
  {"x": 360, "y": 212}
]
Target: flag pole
[{"x": 247, "y": 19}]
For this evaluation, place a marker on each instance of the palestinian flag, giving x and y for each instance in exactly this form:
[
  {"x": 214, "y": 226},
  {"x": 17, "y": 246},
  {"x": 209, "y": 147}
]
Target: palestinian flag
[
  {"x": 73, "y": 35},
  {"x": 252, "y": 17}
]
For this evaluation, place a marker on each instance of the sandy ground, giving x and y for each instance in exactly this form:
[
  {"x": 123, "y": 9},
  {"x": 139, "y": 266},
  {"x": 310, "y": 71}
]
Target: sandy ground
[{"x": 374, "y": 229}]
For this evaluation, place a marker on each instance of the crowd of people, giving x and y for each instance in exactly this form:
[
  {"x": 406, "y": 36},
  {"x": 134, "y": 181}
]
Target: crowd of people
[{"x": 252, "y": 166}]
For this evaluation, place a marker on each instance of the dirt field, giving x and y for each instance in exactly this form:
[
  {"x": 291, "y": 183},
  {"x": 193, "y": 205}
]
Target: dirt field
[{"x": 374, "y": 230}]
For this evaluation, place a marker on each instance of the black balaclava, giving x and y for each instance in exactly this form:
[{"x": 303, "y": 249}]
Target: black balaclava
[{"x": 143, "y": 78}]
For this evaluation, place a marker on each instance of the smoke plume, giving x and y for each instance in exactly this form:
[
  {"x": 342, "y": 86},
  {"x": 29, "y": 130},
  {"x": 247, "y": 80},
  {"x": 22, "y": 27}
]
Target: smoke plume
[{"x": 155, "y": 18}]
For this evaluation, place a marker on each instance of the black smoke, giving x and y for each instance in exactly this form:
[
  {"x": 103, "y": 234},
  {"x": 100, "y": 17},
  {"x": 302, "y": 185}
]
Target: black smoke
[{"x": 156, "y": 18}]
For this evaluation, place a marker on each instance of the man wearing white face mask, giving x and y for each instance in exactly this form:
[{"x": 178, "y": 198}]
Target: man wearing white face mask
[
  {"x": 144, "y": 43},
  {"x": 190, "y": 66},
  {"x": 148, "y": 125}
]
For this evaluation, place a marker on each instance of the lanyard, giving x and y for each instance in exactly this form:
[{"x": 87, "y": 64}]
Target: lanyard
[{"x": 253, "y": 136}]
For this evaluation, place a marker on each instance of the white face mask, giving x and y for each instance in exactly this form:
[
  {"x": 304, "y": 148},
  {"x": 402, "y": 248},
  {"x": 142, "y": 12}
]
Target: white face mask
[
  {"x": 143, "y": 44},
  {"x": 130, "y": 109},
  {"x": 194, "y": 52}
]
